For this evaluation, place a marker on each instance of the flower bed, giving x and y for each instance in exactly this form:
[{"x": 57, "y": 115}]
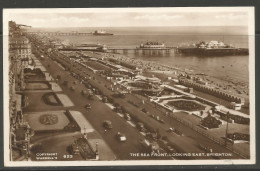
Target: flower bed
[
  {"x": 48, "y": 119},
  {"x": 51, "y": 99},
  {"x": 186, "y": 105}
]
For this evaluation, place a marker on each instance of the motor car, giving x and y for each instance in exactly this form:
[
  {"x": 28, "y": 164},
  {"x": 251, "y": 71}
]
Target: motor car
[
  {"x": 88, "y": 106},
  {"x": 127, "y": 117},
  {"x": 91, "y": 97},
  {"x": 206, "y": 148},
  {"x": 145, "y": 111},
  {"x": 120, "y": 137},
  {"x": 104, "y": 99},
  {"x": 170, "y": 149},
  {"x": 171, "y": 129},
  {"x": 162, "y": 121},
  {"x": 107, "y": 124},
  {"x": 140, "y": 126}
]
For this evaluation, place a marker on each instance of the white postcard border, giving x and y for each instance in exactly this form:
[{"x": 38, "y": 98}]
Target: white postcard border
[{"x": 251, "y": 32}]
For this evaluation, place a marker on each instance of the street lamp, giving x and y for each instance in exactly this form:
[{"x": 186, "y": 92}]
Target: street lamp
[{"x": 227, "y": 129}]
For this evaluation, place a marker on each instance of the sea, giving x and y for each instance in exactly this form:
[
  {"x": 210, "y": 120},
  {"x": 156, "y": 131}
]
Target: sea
[{"x": 223, "y": 67}]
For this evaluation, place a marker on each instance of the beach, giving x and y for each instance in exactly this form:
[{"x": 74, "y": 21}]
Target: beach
[{"x": 226, "y": 84}]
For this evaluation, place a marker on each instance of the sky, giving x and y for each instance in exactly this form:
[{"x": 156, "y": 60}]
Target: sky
[{"x": 128, "y": 18}]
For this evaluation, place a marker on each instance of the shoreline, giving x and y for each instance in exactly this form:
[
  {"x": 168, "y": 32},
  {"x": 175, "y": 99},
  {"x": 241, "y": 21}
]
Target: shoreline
[{"x": 213, "y": 81}]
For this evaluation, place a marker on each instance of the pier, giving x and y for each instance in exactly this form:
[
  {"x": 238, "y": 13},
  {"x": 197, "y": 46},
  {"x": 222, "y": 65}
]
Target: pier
[
  {"x": 165, "y": 50},
  {"x": 61, "y": 33}
]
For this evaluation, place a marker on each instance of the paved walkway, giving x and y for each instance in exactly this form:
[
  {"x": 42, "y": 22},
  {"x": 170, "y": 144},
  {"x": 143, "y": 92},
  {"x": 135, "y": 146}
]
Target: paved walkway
[
  {"x": 55, "y": 87},
  {"x": 82, "y": 122},
  {"x": 48, "y": 76},
  {"x": 42, "y": 68},
  {"x": 65, "y": 100}
]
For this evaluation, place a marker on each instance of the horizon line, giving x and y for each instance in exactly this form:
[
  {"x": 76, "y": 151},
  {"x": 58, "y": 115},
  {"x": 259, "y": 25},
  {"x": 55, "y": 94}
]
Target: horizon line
[{"x": 139, "y": 26}]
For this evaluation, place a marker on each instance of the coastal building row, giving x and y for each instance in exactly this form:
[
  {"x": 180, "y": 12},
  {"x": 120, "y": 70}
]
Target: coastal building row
[
  {"x": 21, "y": 46},
  {"x": 19, "y": 57},
  {"x": 19, "y": 54}
]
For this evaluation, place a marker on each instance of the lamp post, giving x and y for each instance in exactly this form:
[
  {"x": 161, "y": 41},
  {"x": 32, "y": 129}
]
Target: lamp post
[
  {"x": 227, "y": 128},
  {"x": 97, "y": 153},
  {"x": 27, "y": 135}
]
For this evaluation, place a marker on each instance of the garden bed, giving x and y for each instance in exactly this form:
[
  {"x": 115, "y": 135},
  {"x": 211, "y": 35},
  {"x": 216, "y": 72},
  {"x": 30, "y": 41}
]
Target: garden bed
[
  {"x": 47, "y": 121},
  {"x": 37, "y": 86},
  {"x": 51, "y": 99},
  {"x": 186, "y": 105}
]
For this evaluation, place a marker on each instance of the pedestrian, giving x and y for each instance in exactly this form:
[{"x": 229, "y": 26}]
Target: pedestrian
[{"x": 105, "y": 130}]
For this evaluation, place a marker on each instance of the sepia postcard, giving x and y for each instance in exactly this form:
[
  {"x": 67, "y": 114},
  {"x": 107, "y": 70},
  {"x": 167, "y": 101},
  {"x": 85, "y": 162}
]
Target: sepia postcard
[{"x": 129, "y": 86}]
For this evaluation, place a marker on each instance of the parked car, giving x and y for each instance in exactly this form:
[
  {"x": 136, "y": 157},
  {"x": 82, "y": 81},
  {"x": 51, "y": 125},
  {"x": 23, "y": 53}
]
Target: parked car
[
  {"x": 171, "y": 130},
  {"x": 170, "y": 149},
  {"x": 140, "y": 126},
  {"x": 88, "y": 106},
  {"x": 107, "y": 124},
  {"x": 91, "y": 97},
  {"x": 121, "y": 137},
  {"x": 206, "y": 148},
  {"x": 127, "y": 117},
  {"x": 161, "y": 120},
  {"x": 145, "y": 111},
  {"x": 104, "y": 99}
]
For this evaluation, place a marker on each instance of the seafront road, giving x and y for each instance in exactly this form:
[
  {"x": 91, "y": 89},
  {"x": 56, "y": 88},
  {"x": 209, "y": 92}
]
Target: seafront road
[{"x": 100, "y": 112}]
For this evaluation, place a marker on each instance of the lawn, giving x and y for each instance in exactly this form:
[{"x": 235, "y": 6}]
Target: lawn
[
  {"x": 37, "y": 86},
  {"x": 34, "y": 120}
]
